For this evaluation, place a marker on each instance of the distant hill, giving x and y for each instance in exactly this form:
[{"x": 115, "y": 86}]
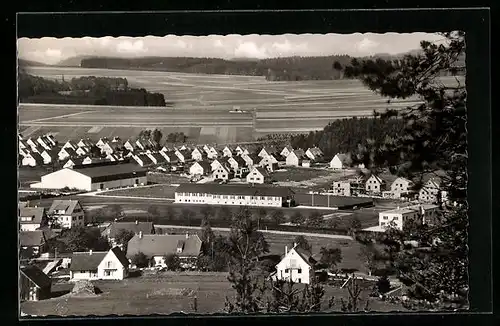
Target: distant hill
[
  {"x": 29, "y": 63},
  {"x": 73, "y": 61}
]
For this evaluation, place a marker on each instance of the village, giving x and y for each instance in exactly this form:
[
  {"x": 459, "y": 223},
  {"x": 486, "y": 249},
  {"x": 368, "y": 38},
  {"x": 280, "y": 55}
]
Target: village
[{"x": 215, "y": 176}]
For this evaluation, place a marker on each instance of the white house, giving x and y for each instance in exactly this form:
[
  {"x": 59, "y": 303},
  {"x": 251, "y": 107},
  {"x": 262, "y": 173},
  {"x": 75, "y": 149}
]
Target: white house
[
  {"x": 339, "y": 161},
  {"x": 31, "y": 218},
  {"x": 222, "y": 172},
  {"x": 113, "y": 158},
  {"x": 69, "y": 144},
  {"x": 184, "y": 148},
  {"x": 92, "y": 265},
  {"x": 297, "y": 265},
  {"x": 286, "y": 150},
  {"x": 94, "y": 177},
  {"x": 49, "y": 139},
  {"x": 48, "y": 156},
  {"x": 85, "y": 143},
  {"x": 200, "y": 168},
  {"x": 206, "y": 148},
  {"x": 295, "y": 158},
  {"x": 213, "y": 153},
  {"x": 22, "y": 144},
  {"x": 108, "y": 148},
  {"x": 182, "y": 155},
  {"x": 114, "y": 266},
  {"x": 32, "y": 159},
  {"x": 342, "y": 188},
  {"x": 374, "y": 184},
  {"x": 227, "y": 151},
  {"x": 170, "y": 157},
  {"x": 429, "y": 191},
  {"x": 400, "y": 186},
  {"x": 236, "y": 162},
  {"x": 251, "y": 159},
  {"x": 101, "y": 142},
  {"x": 70, "y": 163},
  {"x": 314, "y": 153},
  {"x": 217, "y": 162},
  {"x": 397, "y": 218},
  {"x": 68, "y": 213},
  {"x": 82, "y": 151},
  {"x": 266, "y": 151},
  {"x": 31, "y": 143},
  {"x": 23, "y": 152},
  {"x": 66, "y": 152},
  {"x": 44, "y": 143},
  {"x": 129, "y": 146},
  {"x": 269, "y": 162},
  {"x": 142, "y": 159},
  {"x": 197, "y": 154},
  {"x": 233, "y": 194},
  {"x": 258, "y": 175},
  {"x": 240, "y": 150}
]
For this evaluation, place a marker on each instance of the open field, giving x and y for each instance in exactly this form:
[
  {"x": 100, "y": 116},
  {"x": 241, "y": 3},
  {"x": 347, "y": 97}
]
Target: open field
[
  {"x": 201, "y": 106},
  {"x": 164, "y": 294}
]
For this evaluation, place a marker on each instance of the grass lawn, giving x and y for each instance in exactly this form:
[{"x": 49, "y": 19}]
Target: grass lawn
[
  {"x": 164, "y": 294},
  {"x": 154, "y": 191},
  {"x": 29, "y": 174},
  {"x": 167, "y": 178},
  {"x": 298, "y": 174}
]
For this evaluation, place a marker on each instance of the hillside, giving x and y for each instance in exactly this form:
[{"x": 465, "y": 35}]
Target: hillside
[
  {"x": 29, "y": 63},
  {"x": 73, "y": 61}
]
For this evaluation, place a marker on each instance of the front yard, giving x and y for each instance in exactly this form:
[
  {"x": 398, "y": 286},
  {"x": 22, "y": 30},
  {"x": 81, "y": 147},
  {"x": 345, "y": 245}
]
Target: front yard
[
  {"x": 164, "y": 294},
  {"x": 154, "y": 191}
]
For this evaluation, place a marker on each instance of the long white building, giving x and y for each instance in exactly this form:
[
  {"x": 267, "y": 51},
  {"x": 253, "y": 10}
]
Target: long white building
[
  {"x": 241, "y": 195},
  {"x": 94, "y": 178},
  {"x": 397, "y": 218}
]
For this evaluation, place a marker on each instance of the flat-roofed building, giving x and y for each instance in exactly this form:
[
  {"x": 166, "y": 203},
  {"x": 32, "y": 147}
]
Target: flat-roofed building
[
  {"x": 236, "y": 194},
  {"x": 397, "y": 218}
]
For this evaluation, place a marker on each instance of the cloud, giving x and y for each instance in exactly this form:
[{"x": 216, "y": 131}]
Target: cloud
[
  {"x": 366, "y": 45},
  {"x": 250, "y": 50},
  {"x": 131, "y": 47}
]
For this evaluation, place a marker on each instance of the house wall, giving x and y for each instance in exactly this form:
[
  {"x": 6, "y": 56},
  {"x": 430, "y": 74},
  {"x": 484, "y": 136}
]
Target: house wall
[
  {"x": 29, "y": 226},
  {"x": 373, "y": 186},
  {"x": 83, "y": 275},
  {"x": 28, "y": 291},
  {"x": 71, "y": 221},
  {"x": 28, "y": 161},
  {"x": 336, "y": 164},
  {"x": 66, "y": 178},
  {"x": 342, "y": 188},
  {"x": 196, "y": 169},
  {"x": 110, "y": 268},
  {"x": 119, "y": 183},
  {"x": 255, "y": 177},
  {"x": 202, "y": 198},
  {"x": 220, "y": 174},
  {"x": 284, "y": 270},
  {"x": 292, "y": 160}
]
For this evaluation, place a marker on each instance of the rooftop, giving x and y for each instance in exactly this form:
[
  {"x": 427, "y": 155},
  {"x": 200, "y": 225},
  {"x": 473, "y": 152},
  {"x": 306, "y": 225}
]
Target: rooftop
[
  {"x": 37, "y": 276},
  {"x": 159, "y": 245},
  {"x": 86, "y": 261},
  {"x": 97, "y": 172}
]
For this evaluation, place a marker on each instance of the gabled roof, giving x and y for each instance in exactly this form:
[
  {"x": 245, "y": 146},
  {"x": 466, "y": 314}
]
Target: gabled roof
[
  {"x": 239, "y": 160},
  {"x": 37, "y": 213},
  {"x": 380, "y": 180},
  {"x": 306, "y": 255},
  {"x": 204, "y": 165},
  {"x": 342, "y": 157},
  {"x": 144, "y": 227},
  {"x": 289, "y": 148},
  {"x": 270, "y": 149},
  {"x": 37, "y": 157},
  {"x": 31, "y": 238},
  {"x": 37, "y": 276},
  {"x": 75, "y": 160},
  {"x": 159, "y": 158},
  {"x": 69, "y": 150},
  {"x": 112, "y": 171},
  {"x": 122, "y": 258},
  {"x": 299, "y": 153},
  {"x": 86, "y": 261},
  {"x": 172, "y": 156},
  {"x": 254, "y": 157},
  {"x": 62, "y": 204},
  {"x": 160, "y": 245}
]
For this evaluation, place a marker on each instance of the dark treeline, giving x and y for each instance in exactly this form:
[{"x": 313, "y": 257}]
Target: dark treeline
[
  {"x": 87, "y": 90},
  {"x": 285, "y": 69},
  {"x": 344, "y": 136}
]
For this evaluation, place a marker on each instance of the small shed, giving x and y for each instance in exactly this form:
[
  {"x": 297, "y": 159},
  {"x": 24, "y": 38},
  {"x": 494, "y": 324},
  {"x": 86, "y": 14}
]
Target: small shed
[{"x": 34, "y": 284}]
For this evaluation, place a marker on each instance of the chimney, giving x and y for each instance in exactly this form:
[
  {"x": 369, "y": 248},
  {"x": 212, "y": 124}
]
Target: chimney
[
  {"x": 295, "y": 244},
  {"x": 90, "y": 252},
  {"x": 140, "y": 234},
  {"x": 187, "y": 235},
  {"x": 286, "y": 250},
  {"x": 136, "y": 222}
]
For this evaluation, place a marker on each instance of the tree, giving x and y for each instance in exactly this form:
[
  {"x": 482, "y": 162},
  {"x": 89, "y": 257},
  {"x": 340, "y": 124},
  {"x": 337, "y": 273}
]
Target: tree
[
  {"x": 207, "y": 237},
  {"x": 278, "y": 216},
  {"x": 354, "y": 291},
  {"x": 187, "y": 215},
  {"x": 245, "y": 245},
  {"x": 315, "y": 219},
  {"x": 114, "y": 211},
  {"x": 153, "y": 211},
  {"x": 383, "y": 284},
  {"x": 287, "y": 299},
  {"x": 301, "y": 242},
  {"x": 224, "y": 214},
  {"x": 368, "y": 255},
  {"x": 333, "y": 223},
  {"x": 207, "y": 212},
  {"x": 433, "y": 140},
  {"x": 122, "y": 238},
  {"x": 170, "y": 214},
  {"x": 297, "y": 218},
  {"x": 140, "y": 260},
  {"x": 354, "y": 225},
  {"x": 157, "y": 136},
  {"x": 172, "y": 261},
  {"x": 330, "y": 257}
]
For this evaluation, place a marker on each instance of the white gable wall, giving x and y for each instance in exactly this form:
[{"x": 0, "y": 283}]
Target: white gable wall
[
  {"x": 66, "y": 178},
  {"x": 293, "y": 267},
  {"x": 111, "y": 268}
]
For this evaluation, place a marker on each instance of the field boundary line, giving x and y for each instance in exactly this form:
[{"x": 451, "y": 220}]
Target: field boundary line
[{"x": 134, "y": 197}]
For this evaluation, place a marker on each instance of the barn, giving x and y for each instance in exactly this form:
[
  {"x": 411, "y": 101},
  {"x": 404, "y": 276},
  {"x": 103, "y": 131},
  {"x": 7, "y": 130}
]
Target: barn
[{"x": 95, "y": 177}]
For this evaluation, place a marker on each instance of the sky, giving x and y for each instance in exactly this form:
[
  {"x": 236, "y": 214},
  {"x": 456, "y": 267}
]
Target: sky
[{"x": 51, "y": 50}]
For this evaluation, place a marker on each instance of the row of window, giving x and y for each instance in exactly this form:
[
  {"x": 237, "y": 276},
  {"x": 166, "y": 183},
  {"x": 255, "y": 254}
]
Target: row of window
[
  {"x": 225, "y": 202},
  {"x": 298, "y": 270},
  {"x": 228, "y": 196}
]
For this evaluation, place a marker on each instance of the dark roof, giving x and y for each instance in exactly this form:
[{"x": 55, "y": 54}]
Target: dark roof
[
  {"x": 37, "y": 276},
  {"x": 157, "y": 245},
  {"x": 37, "y": 213},
  {"x": 144, "y": 227},
  {"x": 145, "y": 159},
  {"x": 31, "y": 238},
  {"x": 84, "y": 261},
  {"x": 233, "y": 189},
  {"x": 159, "y": 158},
  {"x": 254, "y": 157},
  {"x": 63, "y": 204},
  {"x": 239, "y": 160},
  {"x": 121, "y": 256},
  {"x": 304, "y": 254},
  {"x": 205, "y": 166},
  {"x": 112, "y": 172}
]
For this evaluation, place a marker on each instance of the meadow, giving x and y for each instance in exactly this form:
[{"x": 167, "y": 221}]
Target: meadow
[{"x": 201, "y": 105}]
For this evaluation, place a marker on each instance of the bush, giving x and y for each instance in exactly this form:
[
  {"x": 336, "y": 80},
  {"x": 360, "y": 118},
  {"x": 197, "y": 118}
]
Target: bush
[
  {"x": 383, "y": 284},
  {"x": 140, "y": 260}
]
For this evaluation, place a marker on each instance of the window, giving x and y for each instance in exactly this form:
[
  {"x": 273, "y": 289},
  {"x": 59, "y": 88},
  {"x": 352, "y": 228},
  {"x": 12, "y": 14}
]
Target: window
[
  {"x": 101, "y": 186},
  {"x": 386, "y": 217},
  {"x": 262, "y": 198},
  {"x": 109, "y": 264},
  {"x": 299, "y": 281},
  {"x": 299, "y": 271},
  {"x": 108, "y": 273},
  {"x": 286, "y": 270},
  {"x": 395, "y": 218}
]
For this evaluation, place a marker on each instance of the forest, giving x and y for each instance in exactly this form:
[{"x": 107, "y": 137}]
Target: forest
[
  {"x": 88, "y": 90},
  {"x": 344, "y": 136}
]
